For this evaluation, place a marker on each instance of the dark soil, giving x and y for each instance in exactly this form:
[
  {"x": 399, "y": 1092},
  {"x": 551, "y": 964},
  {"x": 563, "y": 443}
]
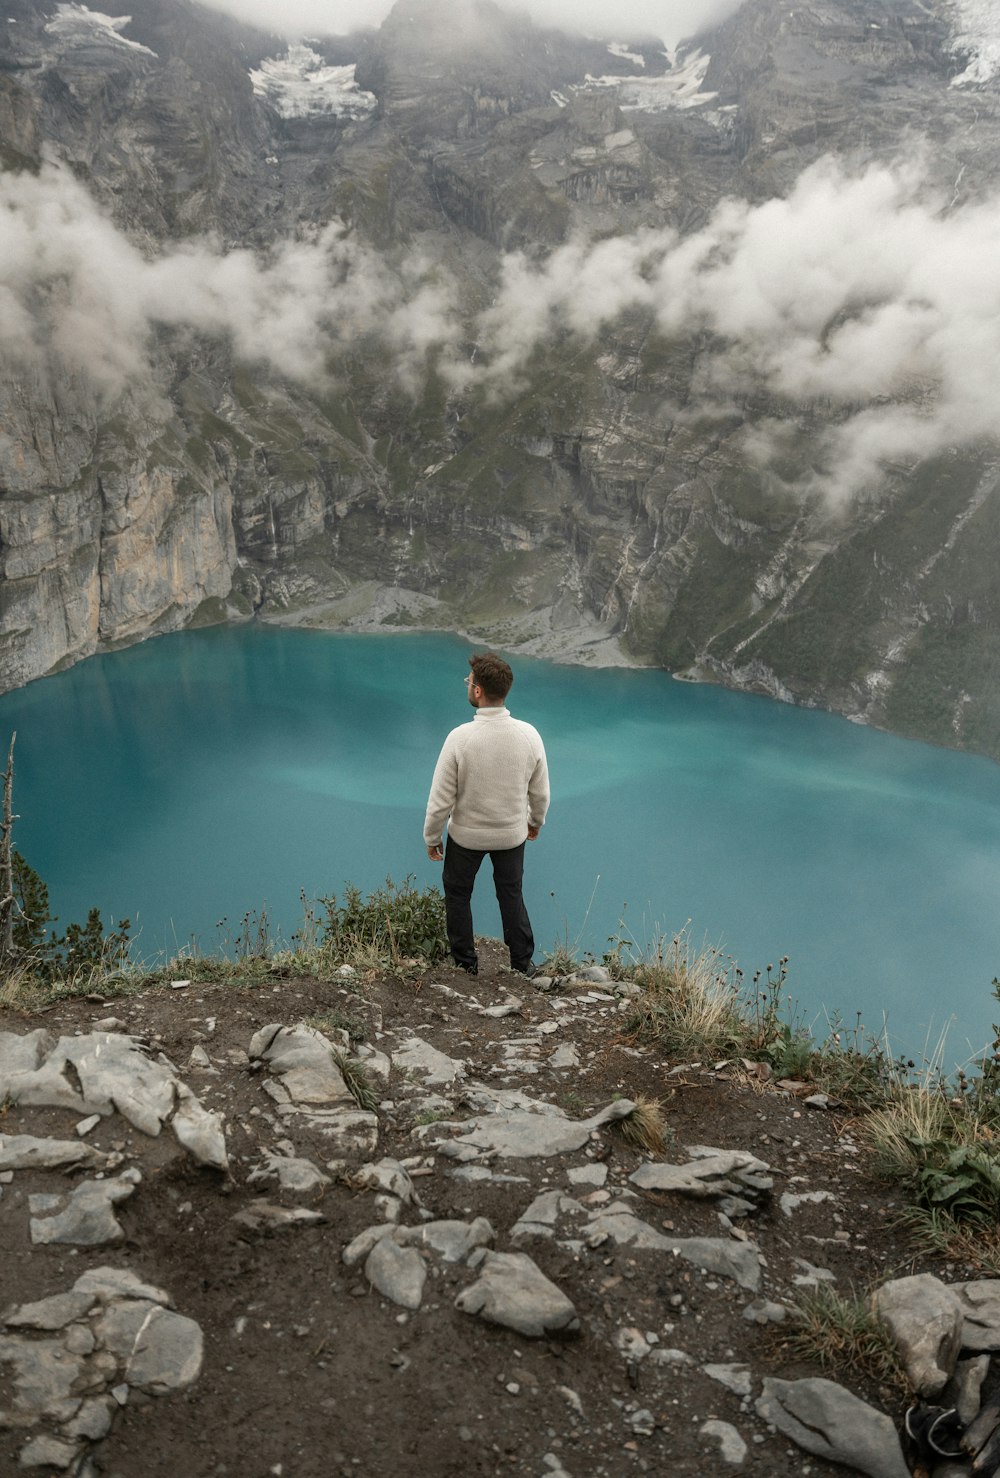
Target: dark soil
[{"x": 308, "y": 1373}]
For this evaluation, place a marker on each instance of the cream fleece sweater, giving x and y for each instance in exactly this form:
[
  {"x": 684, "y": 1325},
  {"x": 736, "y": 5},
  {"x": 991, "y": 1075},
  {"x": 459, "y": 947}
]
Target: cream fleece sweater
[{"x": 490, "y": 783}]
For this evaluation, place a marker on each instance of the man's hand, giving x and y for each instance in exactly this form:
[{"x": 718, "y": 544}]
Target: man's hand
[
  {"x": 436, "y": 854},
  {"x": 533, "y": 832}
]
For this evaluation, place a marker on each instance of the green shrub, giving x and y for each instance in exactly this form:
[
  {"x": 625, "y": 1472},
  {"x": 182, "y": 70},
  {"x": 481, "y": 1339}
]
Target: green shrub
[{"x": 396, "y": 923}]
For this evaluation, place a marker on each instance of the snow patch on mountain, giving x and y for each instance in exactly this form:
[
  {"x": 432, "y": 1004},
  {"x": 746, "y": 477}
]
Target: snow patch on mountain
[
  {"x": 76, "y": 25},
  {"x": 680, "y": 87},
  {"x": 618, "y": 48},
  {"x": 301, "y": 85},
  {"x": 978, "y": 37}
]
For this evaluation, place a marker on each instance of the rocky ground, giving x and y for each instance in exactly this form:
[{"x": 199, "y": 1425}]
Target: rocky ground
[{"x": 217, "y": 1260}]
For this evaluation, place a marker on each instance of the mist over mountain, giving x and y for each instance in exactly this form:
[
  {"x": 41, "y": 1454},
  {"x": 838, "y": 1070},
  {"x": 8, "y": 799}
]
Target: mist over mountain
[{"x": 575, "y": 341}]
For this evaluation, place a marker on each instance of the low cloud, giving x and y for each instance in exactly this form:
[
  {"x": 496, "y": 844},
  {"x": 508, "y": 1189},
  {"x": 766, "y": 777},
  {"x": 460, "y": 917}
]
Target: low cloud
[
  {"x": 860, "y": 296},
  {"x": 671, "y": 19},
  {"x": 74, "y": 289},
  {"x": 859, "y": 303}
]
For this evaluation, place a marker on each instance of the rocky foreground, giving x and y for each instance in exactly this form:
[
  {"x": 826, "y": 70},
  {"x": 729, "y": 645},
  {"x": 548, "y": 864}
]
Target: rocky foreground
[{"x": 398, "y": 1226}]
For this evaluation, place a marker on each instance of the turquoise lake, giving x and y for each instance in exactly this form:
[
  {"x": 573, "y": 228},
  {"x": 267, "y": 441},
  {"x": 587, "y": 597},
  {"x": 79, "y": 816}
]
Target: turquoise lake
[{"x": 198, "y": 776}]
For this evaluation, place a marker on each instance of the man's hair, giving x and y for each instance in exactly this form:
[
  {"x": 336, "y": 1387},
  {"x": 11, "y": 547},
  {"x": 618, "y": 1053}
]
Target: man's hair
[{"x": 492, "y": 674}]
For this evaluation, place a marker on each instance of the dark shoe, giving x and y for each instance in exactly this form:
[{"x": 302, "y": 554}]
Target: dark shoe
[
  {"x": 529, "y": 969},
  {"x": 470, "y": 969}
]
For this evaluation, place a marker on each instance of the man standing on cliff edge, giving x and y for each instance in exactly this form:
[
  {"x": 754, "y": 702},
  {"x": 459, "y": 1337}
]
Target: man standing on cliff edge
[{"x": 491, "y": 785}]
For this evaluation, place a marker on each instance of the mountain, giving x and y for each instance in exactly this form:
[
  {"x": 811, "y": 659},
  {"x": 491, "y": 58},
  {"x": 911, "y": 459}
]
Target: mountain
[{"x": 583, "y": 348}]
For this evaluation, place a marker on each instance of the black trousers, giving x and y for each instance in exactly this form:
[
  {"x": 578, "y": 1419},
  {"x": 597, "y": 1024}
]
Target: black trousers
[{"x": 460, "y": 867}]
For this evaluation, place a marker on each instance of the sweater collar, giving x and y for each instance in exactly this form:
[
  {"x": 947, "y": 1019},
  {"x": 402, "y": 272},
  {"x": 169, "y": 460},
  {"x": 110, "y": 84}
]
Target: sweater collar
[{"x": 491, "y": 713}]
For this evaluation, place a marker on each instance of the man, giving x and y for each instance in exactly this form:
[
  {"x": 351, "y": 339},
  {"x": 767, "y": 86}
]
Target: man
[{"x": 491, "y": 785}]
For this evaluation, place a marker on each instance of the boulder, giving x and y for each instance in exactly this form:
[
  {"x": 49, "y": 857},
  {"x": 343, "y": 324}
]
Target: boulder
[
  {"x": 828, "y": 1421},
  {"x": 925, "y": 1320},
  {"x": 511, "y": 1290}
]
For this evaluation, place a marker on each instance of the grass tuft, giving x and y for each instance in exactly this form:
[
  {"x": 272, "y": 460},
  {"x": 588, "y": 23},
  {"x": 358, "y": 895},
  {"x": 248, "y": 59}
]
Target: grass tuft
[
  {"x": 644, "y": 1127},
  {"x": 359, "y": 1082},
  {"x": 846, "y": 1335}
]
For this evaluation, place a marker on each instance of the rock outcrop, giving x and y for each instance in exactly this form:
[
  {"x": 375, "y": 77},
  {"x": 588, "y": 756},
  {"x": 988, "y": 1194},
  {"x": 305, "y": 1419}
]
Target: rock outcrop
[{"x": 589, "y": 510}]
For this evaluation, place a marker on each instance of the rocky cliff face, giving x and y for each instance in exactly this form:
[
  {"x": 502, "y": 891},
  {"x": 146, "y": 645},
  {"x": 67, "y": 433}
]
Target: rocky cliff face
[{"x": 590, "y": 504}]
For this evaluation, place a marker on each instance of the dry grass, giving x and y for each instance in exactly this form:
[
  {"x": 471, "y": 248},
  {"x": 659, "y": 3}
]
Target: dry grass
[
  {"x": 644, "y": 1128},
  {"x": 914, "y": 1115},
  {"x": 690, "y": 998}
]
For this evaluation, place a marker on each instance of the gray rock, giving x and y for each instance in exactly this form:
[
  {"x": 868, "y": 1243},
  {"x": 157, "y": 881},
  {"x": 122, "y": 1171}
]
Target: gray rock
[
  {"x": 388, "y": 1176},
  {"x": 48, "y": 1452},
  {"x": 737, "y": 1260},
  {"x": 670, "y": 1356},
  {"x": 790, "y": 1202},
  {"x": 735, "y": 1378},
  {"x": 564, "y": 1057},
  {"x": 591, "y": 975},
  {"x": 26, "y": 1152},
  {"x": 113, "y": 1074},
  {"x": 540, "y": 1218},
  {"x": 166, "y": 1354},
  {"x": 107, "y": 1284},
  {"x": 925, "y": 1320},
  {"x": 642, "y": 1422},
  {"x": 731, "y": 1172},
  {"x": 509, "y": 1007},
  {"x": 45, "y": 1380},
  {"x": 93, "y": 1420},
  {"x": 199, "y": 1131},
  {"x": 435, "y": 1069},
  {"x": 811, "y": 1276},
  {"x": 484, "y": 1173},
  {"x": 399, "y": 1273},
  {"x": 50, "y": 1313},
  {"x": 348, "y": 1131},
  {"x": 359, "y": 1248},
  {"x": 595, "y": 1175},
  {"x": 632, "y": 1343},
  {"x": 304, "y": 1060},
  {"x": 453, "y": 1241},
  {"x": 824, "y": 1419},
  {"x": 965, "y": 1388},
  {"x": 732, "y": 1448},
  {"x": 262, "y": 1216},
  {"x": 980, "y": 1302},
  {"x": 79, "y": 1339},
  {"x": 515, "y": 1134},
  {"x": 512, "y": 1291},
  {"x": 295, "y": 1175},
  {"x": 85, "y": 1217},
  {"x": 158, "y": 1350},
  {"x": 765, "y": 1311}
]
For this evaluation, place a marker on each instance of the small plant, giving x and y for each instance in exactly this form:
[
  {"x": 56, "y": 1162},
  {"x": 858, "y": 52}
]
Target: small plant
[
  {"x": 336, "y": 1020},
  {"x": 356, "y": 1076},
  {"x": 962, "y": 1180},
  {"x": 936, "y": 1232},
  {"x": 845, "y": 1334},
  {"x": 560, "y": 960},
  {"x": 396, "y": 924},
  {"x": 252, "y": 940}
]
